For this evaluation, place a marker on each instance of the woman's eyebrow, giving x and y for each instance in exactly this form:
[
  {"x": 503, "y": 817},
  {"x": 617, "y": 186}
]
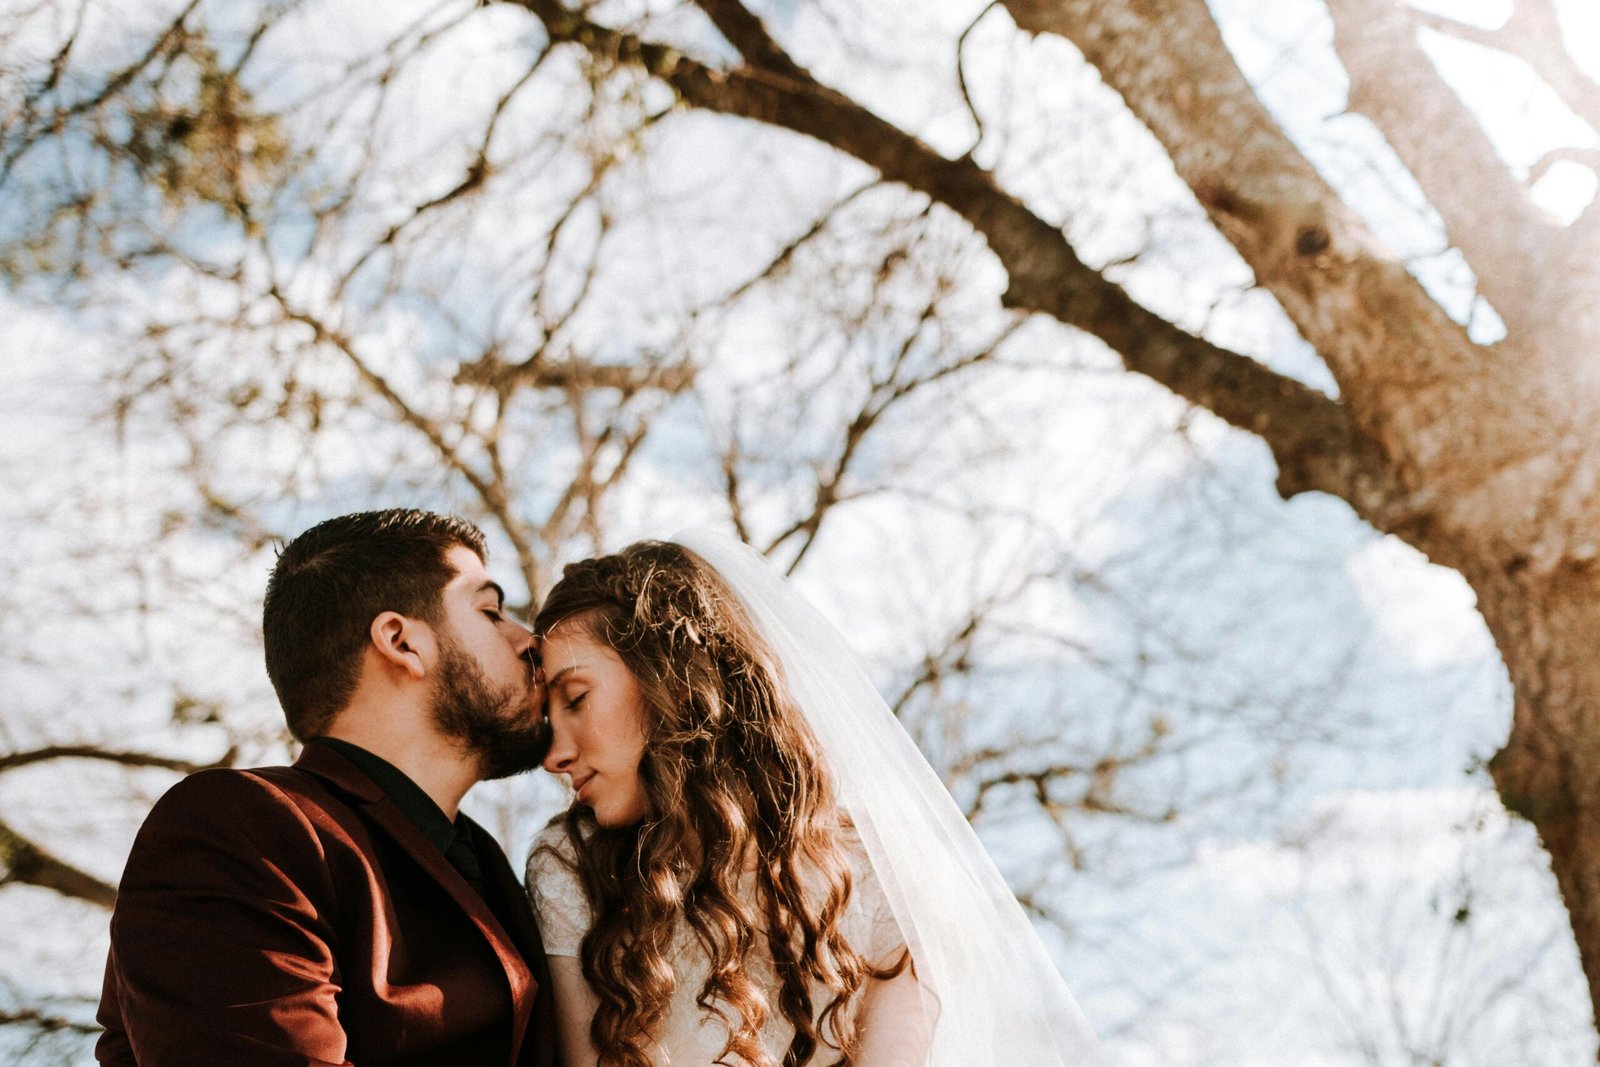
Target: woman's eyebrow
[{"x": 562, "y": 673}]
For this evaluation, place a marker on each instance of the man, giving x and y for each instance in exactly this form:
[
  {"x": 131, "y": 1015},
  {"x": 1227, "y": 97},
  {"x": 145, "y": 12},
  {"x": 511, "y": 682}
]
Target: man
[{"x": 342, "y": 911}]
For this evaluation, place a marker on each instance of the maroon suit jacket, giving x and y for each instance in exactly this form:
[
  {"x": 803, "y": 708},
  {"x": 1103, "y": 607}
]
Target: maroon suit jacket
[{"x": 294, "y": 915}]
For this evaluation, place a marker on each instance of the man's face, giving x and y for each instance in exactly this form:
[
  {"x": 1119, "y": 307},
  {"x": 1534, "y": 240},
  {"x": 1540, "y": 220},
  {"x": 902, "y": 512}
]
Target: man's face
[{"x": 485, "y": 691}]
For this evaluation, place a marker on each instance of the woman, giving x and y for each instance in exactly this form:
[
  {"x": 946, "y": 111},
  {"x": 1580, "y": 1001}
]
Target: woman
[{"x": 759, "y": 867}]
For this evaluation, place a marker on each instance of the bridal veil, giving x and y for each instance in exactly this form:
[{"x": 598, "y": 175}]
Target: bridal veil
[{"x": 997, "y": 999}]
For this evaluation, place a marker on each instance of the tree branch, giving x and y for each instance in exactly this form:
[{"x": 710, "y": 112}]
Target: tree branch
[
  {"x": 992, "y": 770},
  {"x": 12, "y": 760},
  {"x": 50, "y": 1024},
  {"x": 23, "y": 861},
  {"x": 1316, "y": 256},
  {"x": 1533, "y": 35},
  {"x": 173, "y": 37},
  {"x": 746, "y": 33},
  {"x": 787, "y": 253},
  {"x": 1584, "y": 157},
  {"x": 541, "y": 373},
  {"x": 1317, "y": 446},
  {"x": 491, "y": 493},
  {"x": 476, "y": 175},
  {"x": 1486, "y": 210}
]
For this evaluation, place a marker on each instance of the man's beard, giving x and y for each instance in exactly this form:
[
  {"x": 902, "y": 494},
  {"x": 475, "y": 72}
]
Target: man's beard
[{"x": 496, "y": 726}]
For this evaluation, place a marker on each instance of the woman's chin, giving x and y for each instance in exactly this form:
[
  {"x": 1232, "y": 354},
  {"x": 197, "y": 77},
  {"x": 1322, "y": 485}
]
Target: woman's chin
[
  {"x": 612, "y": 818},
  {"x": 603, "y": 815}
]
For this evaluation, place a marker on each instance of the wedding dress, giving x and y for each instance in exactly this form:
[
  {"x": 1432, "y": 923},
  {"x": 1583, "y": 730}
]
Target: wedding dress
[{"x": 689, "y": 1035}]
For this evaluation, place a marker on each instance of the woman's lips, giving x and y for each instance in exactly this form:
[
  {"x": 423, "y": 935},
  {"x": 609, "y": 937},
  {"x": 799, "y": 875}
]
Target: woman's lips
[{"x": 580, "y": 784}]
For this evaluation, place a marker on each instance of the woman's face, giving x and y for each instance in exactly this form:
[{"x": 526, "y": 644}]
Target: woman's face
[{"x": 597, "y": 731}]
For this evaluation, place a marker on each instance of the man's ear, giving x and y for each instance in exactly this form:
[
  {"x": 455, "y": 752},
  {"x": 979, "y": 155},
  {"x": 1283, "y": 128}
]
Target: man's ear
[{"x": 403, "y": 642}]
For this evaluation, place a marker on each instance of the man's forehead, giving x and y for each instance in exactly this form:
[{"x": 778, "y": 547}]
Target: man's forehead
[
  {"x": 471, "y": 578},
  {"x": 468, "y": 567}
]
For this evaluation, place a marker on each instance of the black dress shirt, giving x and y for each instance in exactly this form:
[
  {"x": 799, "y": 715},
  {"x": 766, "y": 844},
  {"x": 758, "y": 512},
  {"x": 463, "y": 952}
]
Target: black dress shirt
[{"x": 453, "y": 838}]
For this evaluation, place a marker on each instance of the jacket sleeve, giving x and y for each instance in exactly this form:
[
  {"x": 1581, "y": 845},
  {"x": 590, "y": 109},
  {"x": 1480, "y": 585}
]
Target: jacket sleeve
[
  {"x": 112, "y": 1047},
  {"x": 221, "y": 950}
]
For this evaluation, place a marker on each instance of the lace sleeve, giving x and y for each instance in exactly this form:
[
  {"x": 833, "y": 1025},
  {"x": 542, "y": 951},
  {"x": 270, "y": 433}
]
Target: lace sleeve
[
  {"x": 873, "y": 929},
  {"x": 556, "y": 893}
]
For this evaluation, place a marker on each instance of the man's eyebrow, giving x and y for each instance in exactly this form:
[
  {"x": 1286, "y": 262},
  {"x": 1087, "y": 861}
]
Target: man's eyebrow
[{"x": 499, "y": 594}]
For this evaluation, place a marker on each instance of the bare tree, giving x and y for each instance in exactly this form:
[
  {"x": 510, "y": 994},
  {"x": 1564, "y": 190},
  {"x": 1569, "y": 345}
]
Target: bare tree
[{"x": 332, "y": 325}]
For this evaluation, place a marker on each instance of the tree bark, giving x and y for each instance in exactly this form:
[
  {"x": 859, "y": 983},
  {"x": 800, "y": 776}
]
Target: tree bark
[{"x": 1548, "y": 772}]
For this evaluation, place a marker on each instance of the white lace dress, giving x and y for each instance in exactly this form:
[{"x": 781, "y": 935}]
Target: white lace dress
[{"x": 692, "y": 1037}]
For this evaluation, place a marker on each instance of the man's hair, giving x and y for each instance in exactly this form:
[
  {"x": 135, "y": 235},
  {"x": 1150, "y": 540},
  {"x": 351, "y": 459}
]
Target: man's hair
[{"x": 331, "y": 582}]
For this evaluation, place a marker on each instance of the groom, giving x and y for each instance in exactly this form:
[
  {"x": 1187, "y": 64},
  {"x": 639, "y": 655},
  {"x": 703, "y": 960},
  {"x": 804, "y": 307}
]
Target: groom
[{"x": 342, "y": 911}]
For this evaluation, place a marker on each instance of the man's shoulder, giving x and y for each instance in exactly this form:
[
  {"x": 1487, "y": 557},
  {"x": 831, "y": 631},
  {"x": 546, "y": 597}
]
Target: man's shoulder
[
  {"x": 237, "y": 784},
  {"x": 224, "y": 828},
  {"x": 243, "y": 797}
]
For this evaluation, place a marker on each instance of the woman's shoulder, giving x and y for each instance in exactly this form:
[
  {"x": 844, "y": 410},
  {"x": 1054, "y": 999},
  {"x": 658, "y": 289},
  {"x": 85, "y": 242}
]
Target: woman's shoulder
[
  {"x": 554, "y": 837},
  {"x": 555, "y": 889},
  {"x": 870, "y": 919},
  {"x": 855, "y": 852},
  {"x": 553, "y": 856},
  {"x": 850, "y": 857}
]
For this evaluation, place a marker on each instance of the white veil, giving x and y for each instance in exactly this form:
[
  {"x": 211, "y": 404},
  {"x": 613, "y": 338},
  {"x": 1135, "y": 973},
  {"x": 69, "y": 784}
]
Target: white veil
[{"x": 1000, "y": 1000}]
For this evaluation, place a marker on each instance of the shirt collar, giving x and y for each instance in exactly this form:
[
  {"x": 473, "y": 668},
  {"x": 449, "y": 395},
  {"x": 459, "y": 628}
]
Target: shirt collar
[{"x": 407, "y": 795}]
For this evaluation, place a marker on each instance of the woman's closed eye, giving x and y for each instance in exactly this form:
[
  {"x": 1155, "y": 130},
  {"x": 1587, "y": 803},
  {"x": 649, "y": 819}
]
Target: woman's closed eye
[{"x": 566, "y": 701}]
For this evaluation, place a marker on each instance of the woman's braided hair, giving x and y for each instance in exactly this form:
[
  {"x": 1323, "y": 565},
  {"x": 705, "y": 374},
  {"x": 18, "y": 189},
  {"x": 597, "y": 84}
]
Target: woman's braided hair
[{"x": 733, "y": 776}]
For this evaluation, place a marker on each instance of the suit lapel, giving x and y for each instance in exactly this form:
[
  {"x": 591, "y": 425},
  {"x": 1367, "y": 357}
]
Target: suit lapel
[
  {"x": 498, "y": 872},
  {"x": 330, "y": 766},
  {"x": 504, "y": 885}
]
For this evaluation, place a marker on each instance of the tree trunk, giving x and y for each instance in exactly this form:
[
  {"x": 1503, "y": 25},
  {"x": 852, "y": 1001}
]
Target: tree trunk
[{"x": 1549, "y": 770}]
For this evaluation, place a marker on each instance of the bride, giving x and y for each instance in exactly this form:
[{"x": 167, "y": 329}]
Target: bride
[{"x": 759, "y": 867}]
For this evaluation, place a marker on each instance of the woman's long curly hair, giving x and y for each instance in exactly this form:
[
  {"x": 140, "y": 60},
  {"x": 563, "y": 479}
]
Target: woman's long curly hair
[{"x": 733, "y": 777}]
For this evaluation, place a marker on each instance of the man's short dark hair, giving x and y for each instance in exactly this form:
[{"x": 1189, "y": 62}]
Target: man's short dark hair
[{"x": 331, "y": 582}]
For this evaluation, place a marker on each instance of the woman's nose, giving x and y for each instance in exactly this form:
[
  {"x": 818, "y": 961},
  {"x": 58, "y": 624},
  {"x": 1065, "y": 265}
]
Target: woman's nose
[
  {"x": 561, "y": 753},
  {"x": 522, "y": 638}
]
